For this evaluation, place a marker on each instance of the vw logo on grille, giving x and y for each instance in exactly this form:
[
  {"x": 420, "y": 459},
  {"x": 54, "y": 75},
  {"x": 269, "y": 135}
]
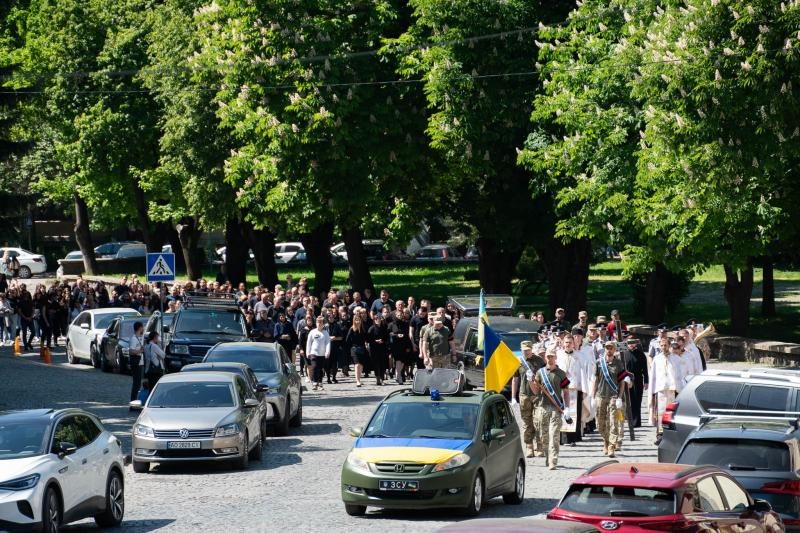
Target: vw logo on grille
[
  {"x": 609, "y": 524},
  {"x": 399, "y": 468},
  {"x": 184, "y": 433}
]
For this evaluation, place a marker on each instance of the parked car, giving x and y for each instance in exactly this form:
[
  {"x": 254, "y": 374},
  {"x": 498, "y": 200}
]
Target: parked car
[
  {"x": 726, "y": 393},
  {"x": 75, "y": 255},
  {"x": 438, "y": 252},
  {"x": 284, "y": 251},
  {"x": 200, "y": 323},
  {"x": 198, "y": 416},
  {"x": 373, "y": 249},
  {"x": 272, "y": 368},
  {"x": 59, "y": 466},
  {"x": 301, "y": 258},
  {"x": 259, "y": 389},
  {"x": 130, "y": 251},
  {"x": 762, "y": 454},
  {"x": 110, "y": 249},
  {"x": 626, "y": 497},
  {"x": 221, "y": 252},
  {"x": 435, "y": 446},
  {"x": 114, "y": 344},
  {"x": 29, "y": 262},
  {"x": 85, "y": 332}
]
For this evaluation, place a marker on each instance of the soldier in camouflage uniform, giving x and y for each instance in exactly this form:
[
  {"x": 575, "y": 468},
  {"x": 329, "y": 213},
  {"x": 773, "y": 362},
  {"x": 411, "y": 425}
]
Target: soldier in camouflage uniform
[
  {"x": 527, "y": 399},
  {"x": 610, "y": 375},
  {"x": 551, "y": 383}
]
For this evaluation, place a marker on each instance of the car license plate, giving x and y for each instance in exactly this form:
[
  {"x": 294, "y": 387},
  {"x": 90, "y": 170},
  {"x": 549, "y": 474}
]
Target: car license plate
[
  {"x": 183, "y": 445},
  {"x": 394, "y": 484}
]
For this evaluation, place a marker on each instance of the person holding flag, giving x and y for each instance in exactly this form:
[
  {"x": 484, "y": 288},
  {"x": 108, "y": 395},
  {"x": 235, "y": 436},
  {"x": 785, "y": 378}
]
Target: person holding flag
[
  {"x": 552, "y": 384},
  {"x": 483, "y": 318}
]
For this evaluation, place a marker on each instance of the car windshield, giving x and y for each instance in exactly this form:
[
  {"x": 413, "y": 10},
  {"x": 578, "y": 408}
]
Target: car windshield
[
  {"x": 102, "y": 321},
  {"x": 602, "y": 500},
  {"x": 22, "y": 439},
  {"x": 754, "y": 456},
  {"x": 210, "y": 321},
  {"x": 514, "y": 338},
  {"x": 437, "y": 420},
  {"x": 261, "y": 361},
  {"x": 191, "y": 394}
]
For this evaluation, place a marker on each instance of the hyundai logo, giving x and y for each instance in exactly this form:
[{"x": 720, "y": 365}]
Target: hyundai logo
[
  {"x": 609, "y": 524},
  {"x": 184, "y": 433},
  {"x": 399, "y": 468}
]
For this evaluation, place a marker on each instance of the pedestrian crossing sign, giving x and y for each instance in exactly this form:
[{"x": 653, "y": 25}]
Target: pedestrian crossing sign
[{"x": 161, "y": 267}]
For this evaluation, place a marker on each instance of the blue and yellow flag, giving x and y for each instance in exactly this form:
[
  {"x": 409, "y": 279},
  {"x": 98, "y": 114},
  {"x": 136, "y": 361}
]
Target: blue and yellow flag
[
  {"x": 499, "y": 363},
  {"x": 482, "y": 318}
]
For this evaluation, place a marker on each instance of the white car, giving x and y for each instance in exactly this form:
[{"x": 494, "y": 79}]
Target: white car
[
  {"x": 85, "y": 332},
  {"x": 286, "y": 251},
  {"x": 59, "y": 466},
  {"x": 29, "y": 262}
]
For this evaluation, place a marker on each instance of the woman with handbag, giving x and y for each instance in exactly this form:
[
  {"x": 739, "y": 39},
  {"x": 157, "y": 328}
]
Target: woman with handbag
[
  {"x": 153, "y": 359},
  {"x": 135, "y": 362},
  {"x": 356, "y": 341}
]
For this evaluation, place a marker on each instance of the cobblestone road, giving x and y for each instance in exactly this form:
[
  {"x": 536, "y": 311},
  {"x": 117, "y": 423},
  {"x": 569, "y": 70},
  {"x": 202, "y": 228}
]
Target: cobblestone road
[{"x": 295, "y": 487}]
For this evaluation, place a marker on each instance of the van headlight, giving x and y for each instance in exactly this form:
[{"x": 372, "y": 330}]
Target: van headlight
[
  {"x": 454, "y": 462},
  {"x": 357, "y": 463}
]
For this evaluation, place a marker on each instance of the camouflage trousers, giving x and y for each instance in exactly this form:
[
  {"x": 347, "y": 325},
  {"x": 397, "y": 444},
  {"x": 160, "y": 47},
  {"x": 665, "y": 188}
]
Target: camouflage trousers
[
  {"x": 548, "y": 425},
  {"x": 530, "y": 435},
  {"x": 608, "y": 426}
]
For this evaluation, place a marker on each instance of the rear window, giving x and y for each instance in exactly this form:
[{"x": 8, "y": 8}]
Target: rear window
[
  {"x": 260, "y": 361},
  {"x": 603, "y": 500},
  {"x": 717, "y": 394},
  {"x": 737, "y": 454}
]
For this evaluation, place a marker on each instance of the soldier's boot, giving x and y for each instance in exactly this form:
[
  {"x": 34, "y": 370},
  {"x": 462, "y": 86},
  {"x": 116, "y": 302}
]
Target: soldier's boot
[{"x": 529, "y": 452}]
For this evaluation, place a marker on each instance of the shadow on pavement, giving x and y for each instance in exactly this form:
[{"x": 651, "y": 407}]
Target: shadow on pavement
[
  {"x": 494, "y": 508},
  {"x": 140, "y": 525},
  {"x": 339, "y": 401}
]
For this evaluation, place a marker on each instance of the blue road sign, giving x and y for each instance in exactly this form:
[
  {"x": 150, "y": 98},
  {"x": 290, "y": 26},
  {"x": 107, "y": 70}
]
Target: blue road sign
[{"x": 161, "y": 267}]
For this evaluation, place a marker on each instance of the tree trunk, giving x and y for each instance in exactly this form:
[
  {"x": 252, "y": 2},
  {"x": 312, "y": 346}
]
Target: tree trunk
[
  {"x": 496, "y": 266},
  {"x": 189, "y": 235},
  {"x": 737, "y": 293},
  {"x": 768, "y": 288},
  {"x": 262, "y": 241},
  {"x": 236, "y": 253},
  {"x": 153, "y": 244},
  {"x": 84, "y": 236},
  {"x": 655, "y": 299},
  {"x": 567, "y": 269},
  {"x": 318, "y": 250},
  {"x": 360, "y": 277}
]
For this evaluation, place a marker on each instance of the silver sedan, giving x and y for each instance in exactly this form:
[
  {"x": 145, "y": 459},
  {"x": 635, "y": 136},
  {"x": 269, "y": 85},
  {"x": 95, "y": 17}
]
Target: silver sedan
[{"x": 199, "y": 416}]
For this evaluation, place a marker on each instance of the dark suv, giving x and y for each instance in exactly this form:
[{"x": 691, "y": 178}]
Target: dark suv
[
  {"x": 200, "y": 323},
  {"x": 762, "y": 454},
  {"x": 724, "y": 394}
]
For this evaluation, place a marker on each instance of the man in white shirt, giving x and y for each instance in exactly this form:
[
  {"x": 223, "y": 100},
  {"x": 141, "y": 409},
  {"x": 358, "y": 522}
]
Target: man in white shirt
[
  {"x": 318, "y": 349},
  {"x": 135, "y": 359},
  {"x": 570, "y": 362},
  {"x": 662, "y": 385}
]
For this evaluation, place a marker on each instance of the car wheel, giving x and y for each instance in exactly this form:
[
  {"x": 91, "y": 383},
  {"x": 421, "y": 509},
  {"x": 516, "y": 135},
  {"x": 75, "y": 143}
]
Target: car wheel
[
  {"x": 71, "y": 359},
  {"x": 297, "y": 419},
  {"x": 516, "y": 497},
  {"x": 115, "y": 502},
  {"x": 25, "y": 272},
  {"x": 94, "y": 356},
  {"x": 258, "y": 451},
  {"x": 141, "y": 467},
  {"x": 476, "y": 499},
  {"x": 355, "y": 510},
  {"x": 282, "y": 429},
  {"x": 264, "y": 426},
  {"x": 51, "y": 511},
  {"x": 244, "y": 460}
]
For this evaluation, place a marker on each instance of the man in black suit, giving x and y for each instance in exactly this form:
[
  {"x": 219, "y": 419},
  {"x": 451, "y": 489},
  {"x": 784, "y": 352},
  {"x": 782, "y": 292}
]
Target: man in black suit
[{"x": 635, "y": 361}]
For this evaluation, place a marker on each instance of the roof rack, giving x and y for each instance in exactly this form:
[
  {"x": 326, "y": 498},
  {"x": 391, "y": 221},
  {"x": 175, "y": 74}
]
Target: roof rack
[
  {"x": 754, "y": 413},
  {"x": 600, "y": 465},
  {"x": 447, "y": 381},
  {"x": 194, "y": 299}
]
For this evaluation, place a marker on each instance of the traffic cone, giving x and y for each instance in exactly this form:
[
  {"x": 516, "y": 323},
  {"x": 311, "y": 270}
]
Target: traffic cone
[
  {"x": 47, "y": 359},
  {"x": 17, "y": 351}
]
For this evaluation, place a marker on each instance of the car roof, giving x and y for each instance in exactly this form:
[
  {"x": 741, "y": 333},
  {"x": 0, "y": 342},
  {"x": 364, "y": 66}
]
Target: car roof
[
  {"x": 643, "y": 475},
  {"x": 42, "y": 415},
  {"x": 251, "y": 346},
  {"x": 782, "y": 377},
  {"x": 747, "y": 428},
  {"x": 493, "y": 303},
  {"x": 473, "y": 397},
  {"x": 110, "y": 310},
  {"x": 220, "y": 366},
  {"x": 504, "y": 324},
  {"x": 205, "y": 375}
]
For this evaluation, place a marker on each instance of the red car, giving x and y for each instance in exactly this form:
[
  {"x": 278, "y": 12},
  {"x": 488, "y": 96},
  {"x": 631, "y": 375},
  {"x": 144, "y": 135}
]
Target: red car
[{"x": 614, "y": 496}]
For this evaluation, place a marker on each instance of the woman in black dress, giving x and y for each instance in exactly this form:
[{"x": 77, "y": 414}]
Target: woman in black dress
[
  {"x": 356, "y": 344},
  {"x": 401, "y": 345},
  {"x": 378, "y": 339}
]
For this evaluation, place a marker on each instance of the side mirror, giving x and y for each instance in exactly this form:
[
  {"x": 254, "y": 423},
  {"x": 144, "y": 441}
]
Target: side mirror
[
  {"x": 251, "y": 402},
  {"x": 262, "y": 388},
  {"x": 66, "y": 448},
  {"x": 288, "y": 368},
  {"x": 355, "y": 431},
  {"x": 494, "y": 434},
  {"x": 136, "y": 405},
  {"x": 761, "y": 506},
  {"x": 84, "y": 325}
]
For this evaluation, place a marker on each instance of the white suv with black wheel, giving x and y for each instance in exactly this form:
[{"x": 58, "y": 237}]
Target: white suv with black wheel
[{"x": 56, "y": 467}]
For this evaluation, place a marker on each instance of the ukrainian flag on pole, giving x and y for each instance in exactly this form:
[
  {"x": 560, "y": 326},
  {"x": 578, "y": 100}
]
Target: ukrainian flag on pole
[
  {"x": 499, "y": 362},
  {"x": 482, "y": 318}
]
